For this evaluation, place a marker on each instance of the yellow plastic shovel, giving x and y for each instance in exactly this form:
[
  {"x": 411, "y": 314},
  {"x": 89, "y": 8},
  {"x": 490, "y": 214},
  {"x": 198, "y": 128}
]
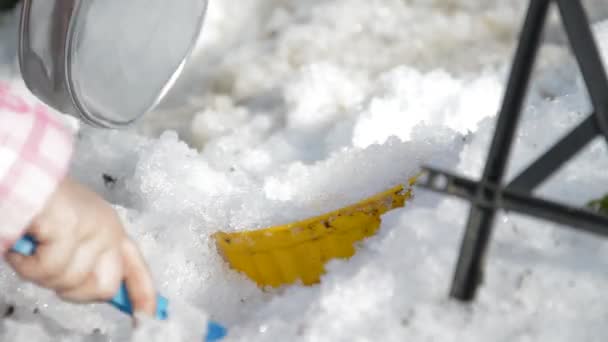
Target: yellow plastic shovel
[{"x": 298, "y": 251}]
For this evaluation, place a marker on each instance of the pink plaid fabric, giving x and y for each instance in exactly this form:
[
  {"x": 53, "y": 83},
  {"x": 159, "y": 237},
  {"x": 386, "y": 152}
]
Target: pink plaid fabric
[{"x": 35, "y": 150}]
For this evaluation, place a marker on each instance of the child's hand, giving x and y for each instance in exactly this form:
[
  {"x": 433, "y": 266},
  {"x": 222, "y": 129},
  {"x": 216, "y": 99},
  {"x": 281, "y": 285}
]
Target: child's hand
[{"x": 83, "y": 252}]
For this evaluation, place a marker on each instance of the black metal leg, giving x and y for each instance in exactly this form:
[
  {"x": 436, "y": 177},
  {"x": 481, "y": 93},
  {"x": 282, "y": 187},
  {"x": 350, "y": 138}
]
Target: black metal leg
[
  {"x": 555, "y": 157},
  {"x": 587, "y": 54},
  {"x": 479, "y": 225}
]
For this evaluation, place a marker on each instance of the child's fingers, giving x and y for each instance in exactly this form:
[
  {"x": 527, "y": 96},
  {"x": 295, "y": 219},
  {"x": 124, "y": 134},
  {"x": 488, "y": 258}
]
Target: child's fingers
[
  {"x": 101, "y": 284},
  {"x": 55, "y": 246},
  {"x": 138, "y": 279},
  {"x": 80, "y": 266},
  {"x": 48, "y": 262}
]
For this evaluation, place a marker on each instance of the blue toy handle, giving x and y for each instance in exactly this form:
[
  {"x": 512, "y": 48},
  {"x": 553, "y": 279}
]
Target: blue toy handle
[{"x": 215, "y": 332}]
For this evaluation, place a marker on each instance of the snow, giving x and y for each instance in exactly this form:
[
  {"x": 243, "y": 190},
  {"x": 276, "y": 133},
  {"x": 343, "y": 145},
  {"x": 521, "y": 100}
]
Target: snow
[{"x": 294, "y": 108}]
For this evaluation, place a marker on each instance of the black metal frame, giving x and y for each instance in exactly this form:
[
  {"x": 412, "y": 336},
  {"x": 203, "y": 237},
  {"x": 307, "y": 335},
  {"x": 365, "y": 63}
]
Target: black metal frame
[{"x": 489, "y": 194}]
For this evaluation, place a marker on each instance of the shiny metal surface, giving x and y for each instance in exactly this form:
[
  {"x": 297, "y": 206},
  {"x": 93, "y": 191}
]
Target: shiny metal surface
[{"x": 107, "y": 62}]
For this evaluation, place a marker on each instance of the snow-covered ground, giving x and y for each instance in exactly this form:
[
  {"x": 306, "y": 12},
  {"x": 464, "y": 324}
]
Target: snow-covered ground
[{"x": 293, "y": 108}]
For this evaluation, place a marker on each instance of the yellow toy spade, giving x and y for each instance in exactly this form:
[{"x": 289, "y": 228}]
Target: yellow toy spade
[{"x": 298, "y": 251}]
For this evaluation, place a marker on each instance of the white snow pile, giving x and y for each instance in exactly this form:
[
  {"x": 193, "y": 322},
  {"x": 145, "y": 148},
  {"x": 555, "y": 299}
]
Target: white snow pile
[{"x": 294, "y": 108}]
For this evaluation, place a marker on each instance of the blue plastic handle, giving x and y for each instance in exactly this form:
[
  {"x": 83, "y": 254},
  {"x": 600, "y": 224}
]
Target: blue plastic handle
[{"x": 215, "y": 332}]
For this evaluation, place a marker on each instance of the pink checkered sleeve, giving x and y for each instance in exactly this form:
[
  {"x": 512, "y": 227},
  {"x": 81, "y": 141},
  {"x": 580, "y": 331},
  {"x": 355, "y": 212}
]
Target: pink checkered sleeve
[{"x": 35, "y": 150}]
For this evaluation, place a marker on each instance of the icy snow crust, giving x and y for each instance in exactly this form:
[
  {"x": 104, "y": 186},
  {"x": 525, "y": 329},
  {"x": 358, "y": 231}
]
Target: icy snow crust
[{"x": 294, "y": 108}]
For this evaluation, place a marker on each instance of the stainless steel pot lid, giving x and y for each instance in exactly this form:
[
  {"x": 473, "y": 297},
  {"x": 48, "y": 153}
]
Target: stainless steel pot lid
[{"x": 107, "y": 62}]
